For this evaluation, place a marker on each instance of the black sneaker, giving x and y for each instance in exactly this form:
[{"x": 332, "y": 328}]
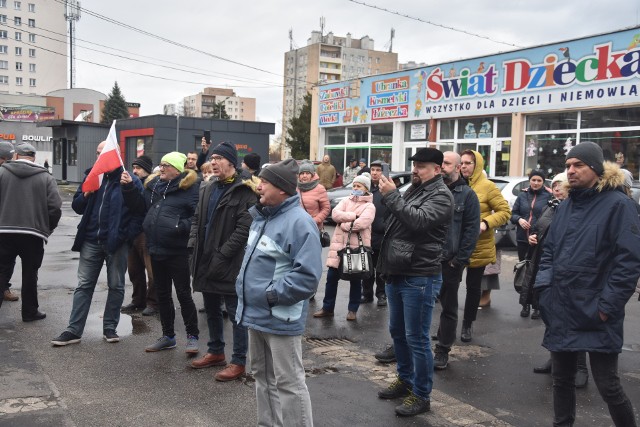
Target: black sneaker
[
  {"x": 111, "y": 336},
  {"x": 397, "y": 388},
  {"x": 131, "y": 308},
  {"x": 413, "y": 405},
  {"x": 387, "y": 355},
  {"x": 382, "y": 301},
  {"x": 440, "y": 361},
  {"x": 65, "y": 338},
  {"x": 465, "y": 335}
]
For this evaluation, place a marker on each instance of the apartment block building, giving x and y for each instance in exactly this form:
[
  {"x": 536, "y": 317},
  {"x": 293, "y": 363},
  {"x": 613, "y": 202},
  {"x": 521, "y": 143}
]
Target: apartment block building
[
  {"x": 329, "y": 58},
  {"x": 33, "y": 58},
  {"x": 203, "y": 104}
]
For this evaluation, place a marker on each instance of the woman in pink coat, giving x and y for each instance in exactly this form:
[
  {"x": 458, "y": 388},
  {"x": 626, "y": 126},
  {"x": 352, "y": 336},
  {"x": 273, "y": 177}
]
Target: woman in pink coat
[
  {"x": 313, "y": 195},
  {"x": 357, "y": 210}
]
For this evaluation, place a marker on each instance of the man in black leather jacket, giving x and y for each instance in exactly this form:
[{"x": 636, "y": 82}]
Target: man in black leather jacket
[{"x": 410, "y": 261}]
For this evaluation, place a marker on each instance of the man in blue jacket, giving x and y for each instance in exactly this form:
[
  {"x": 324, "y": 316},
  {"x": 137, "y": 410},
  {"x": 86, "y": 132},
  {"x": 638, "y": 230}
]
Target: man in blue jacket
[
  {"x": 588, "y": 272},
  {"x": 280, "y": 271},
  {"x": 460, "y": 244},
  {"x": 105, "y": 233}
]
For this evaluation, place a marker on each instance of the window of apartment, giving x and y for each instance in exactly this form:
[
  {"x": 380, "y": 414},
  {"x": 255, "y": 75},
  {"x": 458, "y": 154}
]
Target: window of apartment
[
  {"x": 3, "y": 3},
  {"x": 4, "y": 65},
  {"x": 3, "y": 48},
  {"x": 32, "y": 23},
  {"x": 18, "y": 81},
  {"x": 18, "y": 51},
  {"x": 17, "y": 21},
  {"x": 32, "y": 68},
  {"x": 32, "y": 38},
  {"x": 32, "y": 7},
  {"x": 18, "y": 35},
  {"x": 4, "y": 80},
  {"x": 3, "y": 19},
  {"x": 17, "y": 5},
  {"x": 18, "y": 66},
  {"x": 32, "y": 53},
  {"x": 32, "y": 82},
  {"x": 3, "y": 34}
]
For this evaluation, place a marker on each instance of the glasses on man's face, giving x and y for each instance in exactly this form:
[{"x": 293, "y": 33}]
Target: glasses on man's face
[
  {"x": 163, "y": 165},
  {"x": 468, "y": 163},
  {"x": 216, "y": 158}
]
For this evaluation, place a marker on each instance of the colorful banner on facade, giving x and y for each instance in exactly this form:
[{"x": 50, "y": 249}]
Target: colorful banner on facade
[
  {"x": 26, "y": 113},
  {"x": 596, "y": 71}
]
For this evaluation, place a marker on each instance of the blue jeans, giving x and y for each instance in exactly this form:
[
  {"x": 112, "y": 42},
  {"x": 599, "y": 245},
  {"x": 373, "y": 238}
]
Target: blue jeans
[
  {"x": 92, "y": 258},
  {"x": 215, "y": 321},
  {"x": 411, "y": 301},
  {"x": 331, "y": 291}
]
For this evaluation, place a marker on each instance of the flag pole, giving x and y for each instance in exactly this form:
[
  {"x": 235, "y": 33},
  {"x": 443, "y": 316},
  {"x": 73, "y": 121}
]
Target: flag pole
[{"x": 113, "y": 129}]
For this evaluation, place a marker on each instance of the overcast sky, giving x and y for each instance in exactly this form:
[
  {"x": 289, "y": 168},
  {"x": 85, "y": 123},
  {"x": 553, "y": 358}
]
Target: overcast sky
[{"x": 255, "y": 33}]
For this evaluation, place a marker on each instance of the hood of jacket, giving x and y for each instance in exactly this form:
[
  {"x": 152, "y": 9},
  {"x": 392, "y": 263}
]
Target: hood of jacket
[
  {"x": 477, "y": 174},
  {"x": 187, "y": 179},
  {"x": 23, "y": 169}
]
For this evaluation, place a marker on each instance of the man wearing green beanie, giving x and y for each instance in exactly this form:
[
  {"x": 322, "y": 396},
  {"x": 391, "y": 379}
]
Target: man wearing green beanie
[{"x": 169, "y": 200}]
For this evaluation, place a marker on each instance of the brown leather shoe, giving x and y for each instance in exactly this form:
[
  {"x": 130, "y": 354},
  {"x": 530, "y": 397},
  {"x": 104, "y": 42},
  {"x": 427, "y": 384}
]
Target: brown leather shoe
[
  {"x": 351, "y": 315},
  {"x": 323, "y": 313},
  {"x": 230, "y": 373},
  {"x": 209, "y": 360},
  {"x": 10, "y": 296}
]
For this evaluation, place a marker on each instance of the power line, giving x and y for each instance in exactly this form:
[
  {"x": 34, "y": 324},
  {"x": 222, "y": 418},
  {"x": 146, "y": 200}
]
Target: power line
[{"x": 434, "y": 24}]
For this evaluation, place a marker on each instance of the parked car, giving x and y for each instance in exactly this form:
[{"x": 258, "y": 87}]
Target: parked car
[
  {"x": 339, "y": 193},
  {"x": 511, "y": 186}
]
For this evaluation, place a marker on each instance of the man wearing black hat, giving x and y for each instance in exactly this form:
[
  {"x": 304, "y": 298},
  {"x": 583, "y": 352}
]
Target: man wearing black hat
[
  {"x": 588, "y": 272},
  {"x": 250, "y": 165},
  {"x": 281, "y": 269},
  {"x": 25, "y": 227},
  {"x": 410, "y": 262},
  {"x": 219, "y": 233},
  {"x": 144, "y": 292}
]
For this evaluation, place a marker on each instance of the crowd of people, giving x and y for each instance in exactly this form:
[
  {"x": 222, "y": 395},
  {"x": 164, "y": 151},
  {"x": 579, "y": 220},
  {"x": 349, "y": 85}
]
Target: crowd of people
[{"x": 249, "y": 239}]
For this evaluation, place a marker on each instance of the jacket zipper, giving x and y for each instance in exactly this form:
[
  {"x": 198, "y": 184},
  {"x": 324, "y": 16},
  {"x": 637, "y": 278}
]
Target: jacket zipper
[
  {"x": 244, "y": 273},
  {"x": 100, "y": 210}
]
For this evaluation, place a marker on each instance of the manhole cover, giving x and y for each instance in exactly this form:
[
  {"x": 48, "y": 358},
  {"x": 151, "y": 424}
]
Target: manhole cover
[{"x": 326, "y": 342}]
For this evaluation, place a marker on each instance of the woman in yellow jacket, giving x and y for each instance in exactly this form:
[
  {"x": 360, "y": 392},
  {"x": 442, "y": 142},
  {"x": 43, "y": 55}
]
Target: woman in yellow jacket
[{"x": 494, "y": 211}]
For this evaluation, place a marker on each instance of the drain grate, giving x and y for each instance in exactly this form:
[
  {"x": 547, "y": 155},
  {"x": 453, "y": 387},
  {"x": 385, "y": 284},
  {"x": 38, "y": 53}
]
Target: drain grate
[{"x": 327, "y": 342}]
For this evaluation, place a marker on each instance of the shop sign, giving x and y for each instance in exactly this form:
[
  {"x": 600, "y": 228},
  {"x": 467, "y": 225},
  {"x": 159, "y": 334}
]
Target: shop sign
[
  {"x": 419, "y": 131},
  {"x": 596, "y": 71},
  {"x": 26, "y": 113}
]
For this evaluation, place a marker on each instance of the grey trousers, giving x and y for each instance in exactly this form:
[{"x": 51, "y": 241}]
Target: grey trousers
[{"x": 281, "y": 391}]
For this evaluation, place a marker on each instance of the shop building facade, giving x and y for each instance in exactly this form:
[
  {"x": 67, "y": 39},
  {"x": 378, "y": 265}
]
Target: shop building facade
[{"x": 521, "y": 110}]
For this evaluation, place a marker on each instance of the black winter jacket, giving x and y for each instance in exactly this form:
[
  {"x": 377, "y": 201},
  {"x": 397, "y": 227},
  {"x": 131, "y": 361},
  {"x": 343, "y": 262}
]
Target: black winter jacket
[
  {"x": 528, "y": 205},
  {"x": 378, "y": 225},
  {"x": 168, "y": 213},
  {"x": 465, "y": 224},
  {"x": 416, "y": 229},
  {"x": 216, "y": 262}
]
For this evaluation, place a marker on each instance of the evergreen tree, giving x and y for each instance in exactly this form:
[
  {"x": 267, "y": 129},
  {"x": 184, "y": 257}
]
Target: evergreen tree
[
  {"x": 217, "y": 114},
  {"x": 299, "y": 131},
  {"x": 115, "y": 107}
]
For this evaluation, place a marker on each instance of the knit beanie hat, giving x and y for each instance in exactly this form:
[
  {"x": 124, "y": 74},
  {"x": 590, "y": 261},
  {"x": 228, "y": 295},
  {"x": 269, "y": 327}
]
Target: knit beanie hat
[
  {"x": 283, "y": 175},
  {"x": 537, "y": 172},
  {"x": 175, "y": 159},
  {"x": 144, "y": 162},
  {"x": 590, "y": 154},
  {"x": 6, "y": 150},
  {"x": 364, "y": 179},
  {"x": 561, "y": 177},
  {"x": 307, "y": 166},
  {"x": 228, "y": 151},
  {"x": 252, "y": 160}
]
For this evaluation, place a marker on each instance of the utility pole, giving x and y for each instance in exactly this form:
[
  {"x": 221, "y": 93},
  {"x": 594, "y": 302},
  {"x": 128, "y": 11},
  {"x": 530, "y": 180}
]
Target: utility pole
[{"x": 72, "y": 8}]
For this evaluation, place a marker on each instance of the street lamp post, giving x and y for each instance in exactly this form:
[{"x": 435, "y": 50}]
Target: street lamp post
[{"x": 220, "y": 104}]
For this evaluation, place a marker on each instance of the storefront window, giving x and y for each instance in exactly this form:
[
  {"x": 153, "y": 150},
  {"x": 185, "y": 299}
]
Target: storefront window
[
  {"x": 504, "y": 126},
  {"x": 618, "y": 145},
  {"x": 337, "y": 159},
  {"x": 360, "y": 134},
  {"x": 475, "y": 127},
  {"x": 552, "y": 121},
  {"x": 447, "y": 129},
  {"x": 382, "y": 134},
  {"x": 547, "y": 152},
  {"x": 381, "y": 153},
  {"x": 615, "y": 117},
  {"x": 416, "y": 131},
  {"x": 503, "y": 157},
  {"x": 335, "y": 136},
  {"x": 72, "y": 159},
  {"x": 358, "y": 153}
]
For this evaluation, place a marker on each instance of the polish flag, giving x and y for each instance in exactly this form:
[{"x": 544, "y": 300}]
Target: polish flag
[{"x": 108, "y": 160}]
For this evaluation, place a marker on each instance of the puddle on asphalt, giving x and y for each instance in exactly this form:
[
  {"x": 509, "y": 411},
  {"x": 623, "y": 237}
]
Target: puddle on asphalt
[{"x": 128, "y": 325}]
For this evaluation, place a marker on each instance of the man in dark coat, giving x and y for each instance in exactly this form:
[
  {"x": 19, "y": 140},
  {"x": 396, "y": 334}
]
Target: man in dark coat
[
  {"x": 461, "y": 242},
  {"x": 218, "y": 237},
  {"x": 169, "y": 201},
  {"x": 588, "y": 272},
  {"x": 410, "y": 262}
]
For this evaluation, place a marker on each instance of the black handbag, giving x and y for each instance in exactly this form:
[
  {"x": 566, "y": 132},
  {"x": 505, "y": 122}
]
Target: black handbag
[
  {"x": 355, "y": 263},
  {"x": 325, "y": 239},
  {"x": 521, "y": 274}
]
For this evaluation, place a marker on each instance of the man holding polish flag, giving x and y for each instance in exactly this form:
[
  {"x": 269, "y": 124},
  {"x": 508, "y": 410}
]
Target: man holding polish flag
[{"x": 105, "y": 233}]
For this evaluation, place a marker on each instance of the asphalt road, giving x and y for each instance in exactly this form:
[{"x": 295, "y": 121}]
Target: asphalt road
[{"x": 489, "y": 381}]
